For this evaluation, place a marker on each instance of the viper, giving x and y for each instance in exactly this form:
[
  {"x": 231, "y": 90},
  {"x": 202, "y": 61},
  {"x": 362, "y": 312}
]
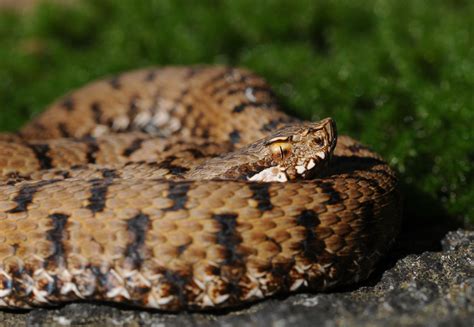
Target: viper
[{"x": 186, "y": 188}]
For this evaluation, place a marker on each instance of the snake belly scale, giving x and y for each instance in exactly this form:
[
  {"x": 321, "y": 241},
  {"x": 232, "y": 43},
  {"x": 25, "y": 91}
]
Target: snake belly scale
[{"x": 185, "y": 188}]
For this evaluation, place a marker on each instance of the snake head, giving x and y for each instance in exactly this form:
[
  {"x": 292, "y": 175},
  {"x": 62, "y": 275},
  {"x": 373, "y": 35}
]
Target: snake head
[
  {"x": 293, "y": 152},
  {"x": 299, "y": 151}
]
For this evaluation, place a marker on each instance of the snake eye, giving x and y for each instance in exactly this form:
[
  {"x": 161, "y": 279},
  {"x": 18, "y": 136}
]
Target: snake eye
[{"x": 280, "y": 150}]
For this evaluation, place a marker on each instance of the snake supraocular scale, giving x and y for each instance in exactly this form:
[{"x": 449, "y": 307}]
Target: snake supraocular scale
[{"x": 185, "y": 188}]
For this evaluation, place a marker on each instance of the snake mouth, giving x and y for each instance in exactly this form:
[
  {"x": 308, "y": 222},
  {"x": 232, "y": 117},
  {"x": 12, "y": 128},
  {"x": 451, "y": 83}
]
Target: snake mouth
[
  {"x": 281, "y": 174},
  {"x": 302, "y": 169},
  {"x": 311, "y": 167}
]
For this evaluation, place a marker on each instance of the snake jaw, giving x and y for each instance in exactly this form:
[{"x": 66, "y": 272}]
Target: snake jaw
[{"x": 272, "y": 174}]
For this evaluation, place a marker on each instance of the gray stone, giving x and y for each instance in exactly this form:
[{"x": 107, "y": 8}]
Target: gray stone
[{"x": 430, "y": 289}]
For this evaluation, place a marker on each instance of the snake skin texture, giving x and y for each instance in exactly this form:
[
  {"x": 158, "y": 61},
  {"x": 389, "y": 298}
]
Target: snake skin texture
[{"x": 99, "y": 199}]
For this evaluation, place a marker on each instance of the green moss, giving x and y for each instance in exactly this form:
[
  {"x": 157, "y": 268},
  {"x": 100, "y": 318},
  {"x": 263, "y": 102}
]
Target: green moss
[{"x": 399, "y": 75}]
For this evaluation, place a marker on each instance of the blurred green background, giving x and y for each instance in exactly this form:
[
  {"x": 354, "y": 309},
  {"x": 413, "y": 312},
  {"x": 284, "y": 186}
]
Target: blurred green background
[{"x": 398, "y": 75}]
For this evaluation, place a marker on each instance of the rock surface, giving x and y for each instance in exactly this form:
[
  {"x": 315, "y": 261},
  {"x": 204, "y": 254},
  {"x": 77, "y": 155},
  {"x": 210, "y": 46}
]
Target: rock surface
[{"x": 430, "y": 289}]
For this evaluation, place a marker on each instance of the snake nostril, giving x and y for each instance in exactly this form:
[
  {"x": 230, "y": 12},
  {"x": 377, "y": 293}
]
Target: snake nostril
[{"x": 319, "y": 141}]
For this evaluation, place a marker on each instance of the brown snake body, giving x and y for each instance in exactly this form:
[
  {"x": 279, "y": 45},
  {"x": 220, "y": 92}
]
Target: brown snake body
[{"x": 119, "y": 192}]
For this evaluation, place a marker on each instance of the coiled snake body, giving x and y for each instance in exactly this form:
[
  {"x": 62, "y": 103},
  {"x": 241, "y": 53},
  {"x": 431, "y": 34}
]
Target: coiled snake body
[{"x": 120, "y": 192}]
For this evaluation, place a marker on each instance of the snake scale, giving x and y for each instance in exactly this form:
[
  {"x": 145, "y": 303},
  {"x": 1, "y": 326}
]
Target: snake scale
[{"x": 185, "y": 188}]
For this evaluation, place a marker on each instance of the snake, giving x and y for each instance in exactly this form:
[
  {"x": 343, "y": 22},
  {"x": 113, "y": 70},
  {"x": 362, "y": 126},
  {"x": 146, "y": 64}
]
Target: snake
[{"x": 186, "y": 188}]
